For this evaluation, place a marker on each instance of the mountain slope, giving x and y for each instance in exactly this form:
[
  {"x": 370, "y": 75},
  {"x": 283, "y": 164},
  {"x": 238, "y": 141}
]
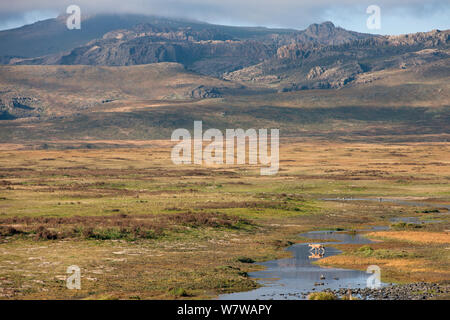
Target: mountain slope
[
  {"x": 321, "y": 57},
  {"x": 51, "y": 36},
  {"x": 297, "y": 67},
  {"x": 203, "y": 48},
  {"x": 144, "y": 81},
  {"x": 53, "y": 103},
  {"x": 54, "y": 91}
]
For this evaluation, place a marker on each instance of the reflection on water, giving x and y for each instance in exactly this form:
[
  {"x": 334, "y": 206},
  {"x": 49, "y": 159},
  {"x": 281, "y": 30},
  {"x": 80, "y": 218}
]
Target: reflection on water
[{"x": 292, "y": 278}]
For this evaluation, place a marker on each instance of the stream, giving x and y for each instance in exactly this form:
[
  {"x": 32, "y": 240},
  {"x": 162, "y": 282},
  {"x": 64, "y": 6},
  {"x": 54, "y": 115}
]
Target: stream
[{"x": 293, "y": 278}]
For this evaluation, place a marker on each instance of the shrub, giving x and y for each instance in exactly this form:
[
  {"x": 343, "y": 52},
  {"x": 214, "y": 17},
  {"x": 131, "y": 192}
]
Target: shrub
[
  {"x": 324, "y": 295},
  {"x": 366, "y": 251},
  {"x": 9, "y": 231},
  {"x": 404, "y": 225},
  {"x": 43, "y": 233},
  {"x": 431, "y": 211},
  {"x": 178, "y": 292},
  {"x": 245, "y": 260},
  {"x": 119, "y": 226}
]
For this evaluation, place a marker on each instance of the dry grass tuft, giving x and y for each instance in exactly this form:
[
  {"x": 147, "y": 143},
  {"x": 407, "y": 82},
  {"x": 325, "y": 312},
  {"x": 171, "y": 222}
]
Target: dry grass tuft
[
  {"x": 324, "y": 295},
  {"x": 419, "y": 236},
  {"x": 119, "y": 226}
]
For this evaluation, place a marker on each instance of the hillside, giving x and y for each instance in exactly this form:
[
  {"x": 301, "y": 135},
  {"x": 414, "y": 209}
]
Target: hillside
[
  {"x": 322, "y": 56},
  {"x": 51, "y": 36},
  {"x": 296, "y": 67},
  {"x": 53, "y": 91},
  {"x": 53, "y": 104},
  {"x": 141, "y": 82},
  {"x": 203, "y": 48}
]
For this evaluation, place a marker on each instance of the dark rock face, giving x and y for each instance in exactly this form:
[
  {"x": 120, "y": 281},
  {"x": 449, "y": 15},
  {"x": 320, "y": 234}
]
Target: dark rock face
[
  {"x": 4, "y": 113},
  {"x": 23, "y": 103},
  {"x": 206, "y": 49},
  {"x": 327, "y": 34},
  {"x": 19, "y": 107},
  {"x": 333, "y": 66},
  {"x": 205, "y": 57},
  {"x": 323, "y": 34},
  {"x": 362, "y": 49},
  {"x": 203, "y": 92},
  {"x": 51, "y": 36},
  {"x": 325, "y": 28},
  {"x": 321, "y": 57}
]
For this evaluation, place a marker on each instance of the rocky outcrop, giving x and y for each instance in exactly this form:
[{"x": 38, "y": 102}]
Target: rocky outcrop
[
  {"x": 291, "y": 52},
  {"x": 203, "y": 92},
  {"x": 13, "y": 107},
  {"x": 165, "y": 33},
  {"x": 315, "y": 72},
  {"x": 409, "y": 291},
  {"x": 321, "y": 56},
  {"x": 298, "y": 67},
  {"x": 427, "y": 39},
  {"x": 255, "y": 74},
  {"x": 334, "y": 77},
  {"x": 209, "y": 57},
  {"x": 206, "y": 49}
]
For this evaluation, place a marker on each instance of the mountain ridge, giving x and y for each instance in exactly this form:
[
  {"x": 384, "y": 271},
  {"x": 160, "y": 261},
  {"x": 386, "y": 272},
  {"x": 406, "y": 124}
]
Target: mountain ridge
[
  {"x": 322, "y": 56},
  {"x": 203, "y": 48},
  {"x": 51, "y": 36}
]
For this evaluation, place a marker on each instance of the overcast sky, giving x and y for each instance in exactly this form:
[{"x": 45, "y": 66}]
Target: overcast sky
[{"x": 397, "y": 16}]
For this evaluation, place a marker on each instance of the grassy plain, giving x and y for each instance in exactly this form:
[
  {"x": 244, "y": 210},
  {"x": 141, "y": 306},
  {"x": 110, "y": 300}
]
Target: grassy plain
[{"x": 140, "y": 227}]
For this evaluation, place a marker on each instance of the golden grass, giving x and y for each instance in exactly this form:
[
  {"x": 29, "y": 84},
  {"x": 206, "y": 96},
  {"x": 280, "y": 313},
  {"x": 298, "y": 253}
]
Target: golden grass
[
  {"x": 417, "y": 236},
  {"x": 79, "y": 86},
  {"x": 202, "y": 260},
  {"x": 397, "y": 270}
]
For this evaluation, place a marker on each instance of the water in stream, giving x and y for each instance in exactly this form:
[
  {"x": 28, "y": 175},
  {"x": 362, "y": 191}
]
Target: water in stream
[{"x": 293, "y": 278}]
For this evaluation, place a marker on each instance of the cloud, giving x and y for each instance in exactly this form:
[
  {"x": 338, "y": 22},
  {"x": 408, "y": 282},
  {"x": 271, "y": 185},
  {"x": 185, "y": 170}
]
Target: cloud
[
  {"x": 8, "y": 21},
  {"x": 398, "y": 14}
]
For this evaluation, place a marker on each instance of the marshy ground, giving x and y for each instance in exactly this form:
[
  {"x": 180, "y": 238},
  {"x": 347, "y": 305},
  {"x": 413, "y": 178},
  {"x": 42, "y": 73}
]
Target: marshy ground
[{"x": 140, "y": 227}]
